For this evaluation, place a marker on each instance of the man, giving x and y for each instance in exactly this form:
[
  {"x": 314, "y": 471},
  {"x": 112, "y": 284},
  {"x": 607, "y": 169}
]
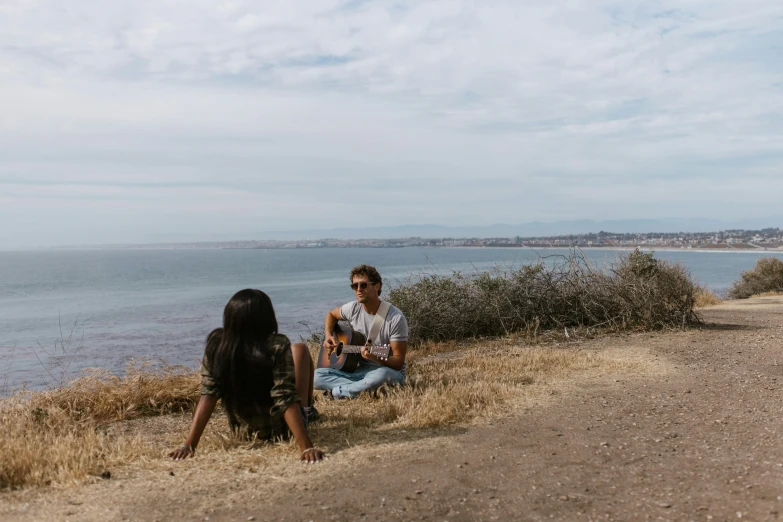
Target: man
[{"x": 372, "y": 372}]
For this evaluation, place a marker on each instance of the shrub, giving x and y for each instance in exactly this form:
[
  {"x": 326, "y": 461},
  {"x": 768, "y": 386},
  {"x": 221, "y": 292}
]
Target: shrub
[
  {"x": 766, "y": 276},
  {"x": 636, "y": 291}
]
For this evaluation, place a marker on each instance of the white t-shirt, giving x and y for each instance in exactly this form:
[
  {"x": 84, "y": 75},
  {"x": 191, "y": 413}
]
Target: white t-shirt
[{"x": 394, "y": 327}]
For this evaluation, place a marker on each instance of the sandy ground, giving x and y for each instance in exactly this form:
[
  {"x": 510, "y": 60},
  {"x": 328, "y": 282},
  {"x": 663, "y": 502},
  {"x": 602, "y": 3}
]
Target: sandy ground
[{"x": 696, "y": 436}]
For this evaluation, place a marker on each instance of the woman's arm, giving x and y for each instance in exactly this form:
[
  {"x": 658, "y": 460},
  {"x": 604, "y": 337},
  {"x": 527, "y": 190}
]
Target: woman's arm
[
  {"x": 293, "y": 417},
  {"x": 285, "y": 400},
  {"x": 206, "y": 405}
]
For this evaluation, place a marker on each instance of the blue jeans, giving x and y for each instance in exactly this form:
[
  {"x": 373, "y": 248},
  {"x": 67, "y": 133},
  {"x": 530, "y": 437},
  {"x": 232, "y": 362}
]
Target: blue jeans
[{"x": 345, "y": 385}]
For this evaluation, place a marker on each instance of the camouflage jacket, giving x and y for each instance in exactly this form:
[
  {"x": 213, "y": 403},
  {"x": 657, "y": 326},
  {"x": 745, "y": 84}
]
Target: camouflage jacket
[{"x": 266, "y": 424}]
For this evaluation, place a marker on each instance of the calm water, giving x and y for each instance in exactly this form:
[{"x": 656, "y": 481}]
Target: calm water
[{"x": 161, "y": 304}]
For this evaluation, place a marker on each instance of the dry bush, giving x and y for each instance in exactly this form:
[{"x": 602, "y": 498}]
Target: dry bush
[
  {"x": 766, "y": 276},
  {"x": 636, "y": 291},
  {"x": 706, "y": 297}
]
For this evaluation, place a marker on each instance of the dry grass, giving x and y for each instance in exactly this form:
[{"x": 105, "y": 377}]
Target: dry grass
[
  {"x": 102, "y": 397},
  {"x": 62, "y": 436},
  {"x": 59, "y": 435},
  {"x": 448, "y": 388},
  {"x": 705, "y": 297},
  {"x": 768, "y": 294},
  {"x": 46, "y": 446}
]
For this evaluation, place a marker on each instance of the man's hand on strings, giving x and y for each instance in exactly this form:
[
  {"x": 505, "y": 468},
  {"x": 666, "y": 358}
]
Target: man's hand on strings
[{"x": 330, "y": 343}]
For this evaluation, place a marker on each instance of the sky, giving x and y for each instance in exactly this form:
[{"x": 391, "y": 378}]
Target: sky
[{"x": 164, "y": 120}]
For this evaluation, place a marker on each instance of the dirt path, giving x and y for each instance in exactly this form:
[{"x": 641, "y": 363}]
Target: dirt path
[{"x": 700, "y": 443}]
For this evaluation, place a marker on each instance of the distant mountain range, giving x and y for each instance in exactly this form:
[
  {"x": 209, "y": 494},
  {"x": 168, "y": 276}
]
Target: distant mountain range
[{"x": 534, "y": 229}]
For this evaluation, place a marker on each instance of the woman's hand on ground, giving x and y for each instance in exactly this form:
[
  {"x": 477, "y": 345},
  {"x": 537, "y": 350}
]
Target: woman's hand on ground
[
  {"x": 182, "y": 452},
  {"x": 311, "y": 456}
]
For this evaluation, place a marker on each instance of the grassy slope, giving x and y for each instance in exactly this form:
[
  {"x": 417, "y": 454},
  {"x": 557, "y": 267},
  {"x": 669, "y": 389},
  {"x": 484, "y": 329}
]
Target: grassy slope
[{"x": 102, "y": 422}]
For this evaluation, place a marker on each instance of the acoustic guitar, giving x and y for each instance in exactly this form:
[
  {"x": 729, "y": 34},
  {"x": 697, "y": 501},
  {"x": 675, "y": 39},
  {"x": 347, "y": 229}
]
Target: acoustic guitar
[{"x": 348, "y": 352}]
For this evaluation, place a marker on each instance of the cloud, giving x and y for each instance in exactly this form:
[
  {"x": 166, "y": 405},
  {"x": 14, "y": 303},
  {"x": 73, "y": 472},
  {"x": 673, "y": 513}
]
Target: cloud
[{"x": 442, "y": 111}]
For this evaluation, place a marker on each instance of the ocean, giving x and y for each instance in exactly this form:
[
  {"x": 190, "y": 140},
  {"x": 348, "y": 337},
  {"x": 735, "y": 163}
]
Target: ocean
[{"x": 63, "y": 311}]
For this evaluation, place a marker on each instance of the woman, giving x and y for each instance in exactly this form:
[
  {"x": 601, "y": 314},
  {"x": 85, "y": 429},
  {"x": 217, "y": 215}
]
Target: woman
[{"x": 259, "y": 375}]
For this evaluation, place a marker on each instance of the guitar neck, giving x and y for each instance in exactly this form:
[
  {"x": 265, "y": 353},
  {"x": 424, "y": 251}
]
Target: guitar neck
[
  {"x": 381, "y": 351},
  {"x": 350, "y": 348}
]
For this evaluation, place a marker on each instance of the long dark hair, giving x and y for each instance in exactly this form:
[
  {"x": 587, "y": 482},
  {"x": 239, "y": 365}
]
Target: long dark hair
[{"x": 238, "y": 354}]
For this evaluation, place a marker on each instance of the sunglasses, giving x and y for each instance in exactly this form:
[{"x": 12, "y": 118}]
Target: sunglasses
[{"x": 362, "y": 285}]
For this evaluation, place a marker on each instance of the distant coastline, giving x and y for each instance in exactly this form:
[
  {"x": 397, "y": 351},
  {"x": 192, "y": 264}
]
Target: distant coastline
[
  {"x": 762, "y": 240},
  {"x": 206, "y": 246},
  {"x": 645, "y": 248}
]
